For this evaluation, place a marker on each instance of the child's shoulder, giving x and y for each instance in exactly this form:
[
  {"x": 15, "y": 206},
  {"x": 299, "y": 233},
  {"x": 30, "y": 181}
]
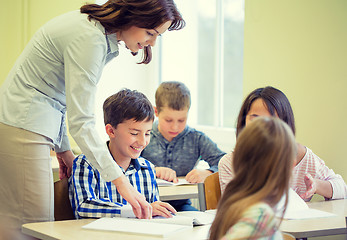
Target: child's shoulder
[
  {"x": 193, "y": 131},
  {"x": 259, "y": 210},
  {"x": 82, "y": 160}
]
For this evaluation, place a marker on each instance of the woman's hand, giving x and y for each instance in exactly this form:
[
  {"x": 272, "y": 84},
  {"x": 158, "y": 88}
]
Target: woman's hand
[
  {"x": 166, "y": 174},
  {"x": 163, "y": 209},
  {"x": 65, "y": 160},
  {"x": 141, "y": 208}
]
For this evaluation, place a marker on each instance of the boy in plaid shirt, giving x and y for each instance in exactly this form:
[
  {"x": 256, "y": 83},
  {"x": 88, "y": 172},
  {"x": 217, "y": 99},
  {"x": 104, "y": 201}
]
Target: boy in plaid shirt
[{"x": 128, "y": 117}]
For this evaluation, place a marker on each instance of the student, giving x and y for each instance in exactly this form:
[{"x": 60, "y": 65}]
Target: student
[
  {"x": 128, "y": 117},
  {"x": 175, "y": 148},
  {"x": 262, "y": 173},
  {"x": 54, "y": 79},
  {"x": 310, "y": 174}
]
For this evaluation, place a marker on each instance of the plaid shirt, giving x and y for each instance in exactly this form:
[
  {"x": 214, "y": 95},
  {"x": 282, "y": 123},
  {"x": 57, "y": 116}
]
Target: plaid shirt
[
  {"x": 93, "y": 197},
  {"x": 257, "y": 222}
]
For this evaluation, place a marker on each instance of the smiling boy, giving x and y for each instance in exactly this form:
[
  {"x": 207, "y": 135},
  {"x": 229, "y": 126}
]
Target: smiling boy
[{"x": 128, "y": 117}]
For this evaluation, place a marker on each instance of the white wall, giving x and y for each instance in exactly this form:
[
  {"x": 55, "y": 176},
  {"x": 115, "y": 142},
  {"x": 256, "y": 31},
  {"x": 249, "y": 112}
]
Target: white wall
[{"x": 124, "y": 72}]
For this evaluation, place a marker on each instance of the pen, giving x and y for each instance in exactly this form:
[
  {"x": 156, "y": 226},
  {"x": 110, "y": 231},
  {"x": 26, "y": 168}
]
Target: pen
[{"x": 197, "y": 162}]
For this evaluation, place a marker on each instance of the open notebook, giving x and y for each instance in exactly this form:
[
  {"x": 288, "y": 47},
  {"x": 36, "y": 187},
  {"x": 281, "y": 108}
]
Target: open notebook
[
  {"x": 164, "y": 183},
  {"x": 298, "y": 209},
  {"x": 158, "y": 226},
  {"x": 189, "y": 218},
  {"x": 135, "y": 226}
]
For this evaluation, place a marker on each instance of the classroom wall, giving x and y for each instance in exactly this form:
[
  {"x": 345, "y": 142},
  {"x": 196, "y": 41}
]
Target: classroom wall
[
  {"x": 19, "y": 20},
  {"x": 300, "y": 47}
]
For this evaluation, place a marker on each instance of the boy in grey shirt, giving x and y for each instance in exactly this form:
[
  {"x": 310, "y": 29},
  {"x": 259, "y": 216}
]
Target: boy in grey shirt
[{"x": 175, "y": 147}]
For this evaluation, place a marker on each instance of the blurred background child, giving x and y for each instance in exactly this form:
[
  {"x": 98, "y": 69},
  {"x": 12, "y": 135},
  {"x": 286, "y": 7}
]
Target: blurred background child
[{"x": 175, "y": 148}]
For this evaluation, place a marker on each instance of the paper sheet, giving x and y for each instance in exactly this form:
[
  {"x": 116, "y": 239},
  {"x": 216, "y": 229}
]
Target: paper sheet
[
  {"x": 163, "y": 183},
  {"x": 135, "y": 226},
  {"x": 298, "y": 209}
]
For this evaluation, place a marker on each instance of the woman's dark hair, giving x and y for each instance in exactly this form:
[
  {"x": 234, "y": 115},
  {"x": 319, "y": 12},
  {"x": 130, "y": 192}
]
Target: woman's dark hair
[
  {"x": 276, "y": 102},
  {"x": 120, "y": 15}
]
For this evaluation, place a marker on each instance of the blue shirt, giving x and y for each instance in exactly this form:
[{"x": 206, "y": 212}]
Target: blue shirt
[
  {"x": 183, "y": 151},
  {"x": 92, "y": 197},
  {"x": 57, "y": 74}
]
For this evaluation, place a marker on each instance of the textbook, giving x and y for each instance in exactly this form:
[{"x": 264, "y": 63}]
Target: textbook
[
  {"x": 298, "y": 209},
  {"x": 190, "y": 218},
  {"x": 163, "y": 183},
  {"x": 158, "y": 226},
  {"x": 135, "y": 226}
]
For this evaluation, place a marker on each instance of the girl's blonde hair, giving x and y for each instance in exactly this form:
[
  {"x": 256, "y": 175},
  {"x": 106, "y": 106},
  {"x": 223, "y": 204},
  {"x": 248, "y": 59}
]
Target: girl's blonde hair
[{"x": 263, "y": 160}]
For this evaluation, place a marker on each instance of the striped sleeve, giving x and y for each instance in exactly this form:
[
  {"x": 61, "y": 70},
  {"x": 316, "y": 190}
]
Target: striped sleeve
[
  {"x": 226, "y": 172},
  {"x": 315, "y": 166}
]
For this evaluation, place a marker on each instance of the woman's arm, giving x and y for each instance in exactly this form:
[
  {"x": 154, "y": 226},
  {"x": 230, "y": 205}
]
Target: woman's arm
[{"x": 84, "y": 61}]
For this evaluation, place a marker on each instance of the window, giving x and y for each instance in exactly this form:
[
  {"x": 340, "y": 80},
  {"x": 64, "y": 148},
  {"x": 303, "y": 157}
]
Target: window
[{"x": 207, "y": 56}]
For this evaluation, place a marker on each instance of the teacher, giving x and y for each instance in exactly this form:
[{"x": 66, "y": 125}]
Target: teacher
[{"x": 56, "y": 77}]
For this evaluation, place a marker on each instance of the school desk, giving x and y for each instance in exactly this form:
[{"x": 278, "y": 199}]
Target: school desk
[
  {"x": 188, "y": 191},
  {"x": 306, "y": 228},
  {"x": 72, "y": 229}
]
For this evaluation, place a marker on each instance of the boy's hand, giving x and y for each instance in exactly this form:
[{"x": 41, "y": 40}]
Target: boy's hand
[
  {"x": 162, "y": 209},
  {"x": 311, "y": 187},
  {"x": 65, "y": 160},
  {"x": 166, "y": 174},
  {"x": 197, "y": 176}
]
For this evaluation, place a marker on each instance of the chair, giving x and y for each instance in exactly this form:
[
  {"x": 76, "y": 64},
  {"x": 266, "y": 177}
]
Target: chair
[
  {"x": 62, "y": 205},
  {"x": 209, "y": 192},
  {"x": 287, "y": 236}
]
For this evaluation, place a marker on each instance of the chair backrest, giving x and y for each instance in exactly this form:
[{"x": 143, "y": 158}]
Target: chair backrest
[
  {"x": 62, "y": 205},
  {"x": 209, "y": 192},
  {"x": 287, "y": 236}
]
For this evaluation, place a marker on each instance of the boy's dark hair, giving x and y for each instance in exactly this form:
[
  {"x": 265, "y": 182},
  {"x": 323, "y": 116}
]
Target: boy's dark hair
[
  {"x": 127, "y": 104},
  {"x": 173, "y": 94},
  {"x": 276, "y": 103}
]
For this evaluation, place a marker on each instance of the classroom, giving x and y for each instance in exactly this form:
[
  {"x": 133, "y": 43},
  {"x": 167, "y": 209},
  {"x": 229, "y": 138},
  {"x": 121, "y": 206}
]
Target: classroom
[{"x": 297, "y": 46}]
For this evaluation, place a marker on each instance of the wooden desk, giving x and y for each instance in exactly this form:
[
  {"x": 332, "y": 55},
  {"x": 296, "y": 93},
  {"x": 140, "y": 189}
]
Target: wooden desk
[
  {"x": 320, "y": 226},
  {"x": 178, "y": 192},
  {"x": 72, "y": 229}
]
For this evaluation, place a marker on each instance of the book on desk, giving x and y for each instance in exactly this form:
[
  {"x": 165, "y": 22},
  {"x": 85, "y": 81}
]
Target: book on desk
[{"x": 157, "y": 226}]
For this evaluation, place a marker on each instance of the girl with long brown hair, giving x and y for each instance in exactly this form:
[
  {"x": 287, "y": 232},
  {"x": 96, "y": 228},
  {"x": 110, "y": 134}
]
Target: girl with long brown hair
[{"x": 263, "y": 160}]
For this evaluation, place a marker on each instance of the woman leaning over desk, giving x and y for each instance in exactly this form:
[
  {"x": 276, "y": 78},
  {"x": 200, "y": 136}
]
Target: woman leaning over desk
[{"x": 56, "y": 75}]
